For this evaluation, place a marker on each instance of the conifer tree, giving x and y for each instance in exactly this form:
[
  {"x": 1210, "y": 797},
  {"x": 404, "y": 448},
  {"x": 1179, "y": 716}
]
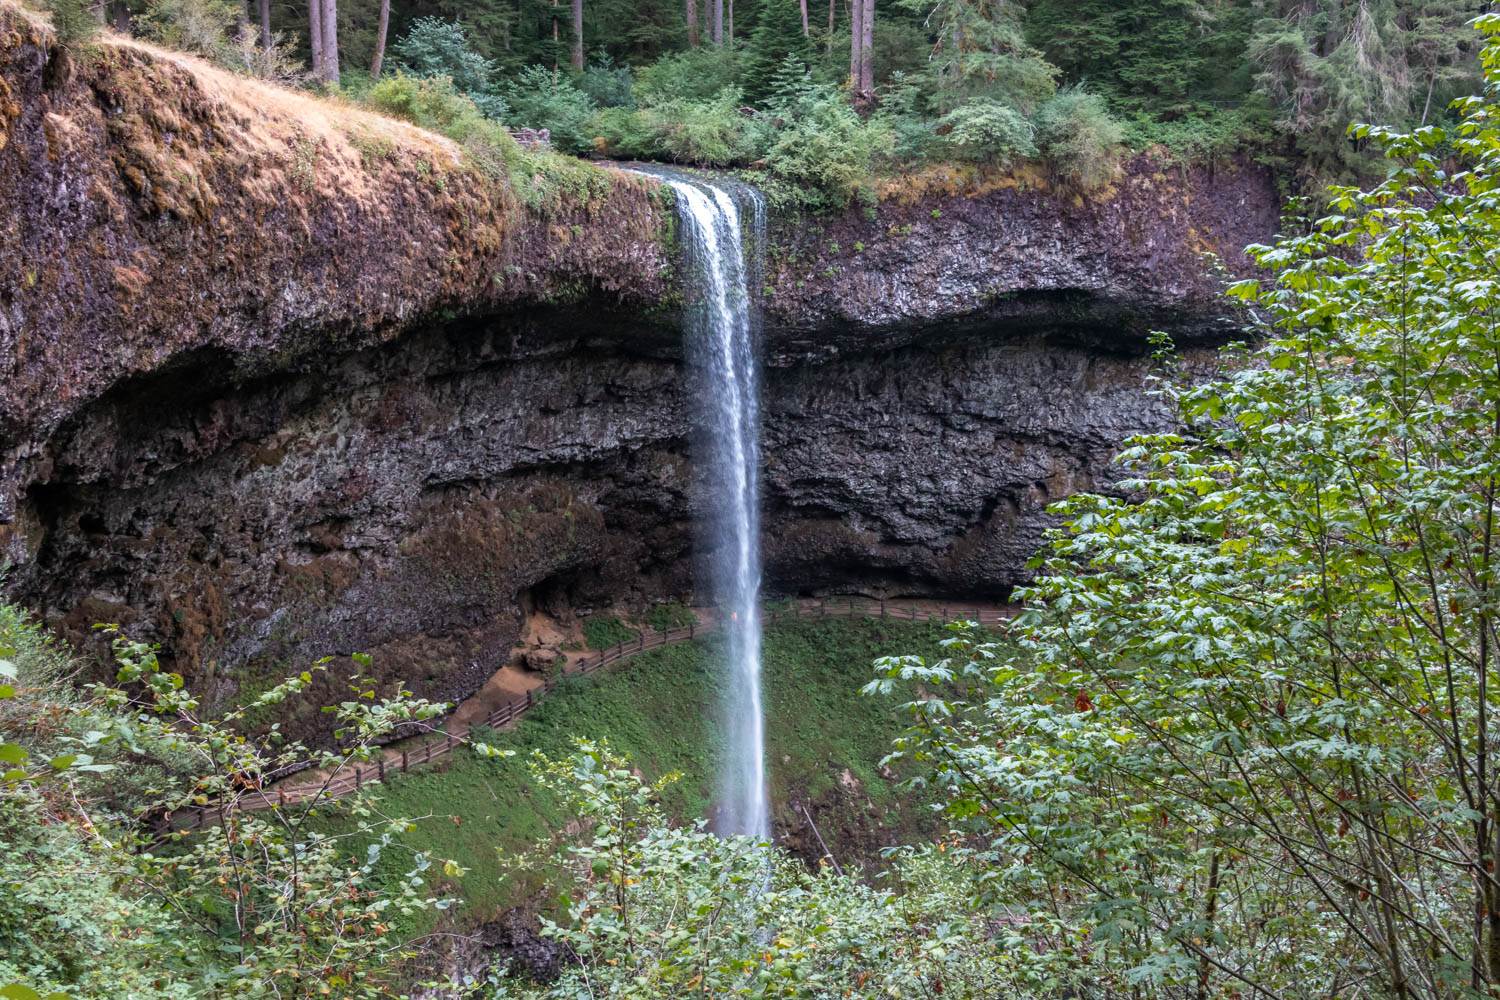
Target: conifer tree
[{"x": 778, "y": 34}]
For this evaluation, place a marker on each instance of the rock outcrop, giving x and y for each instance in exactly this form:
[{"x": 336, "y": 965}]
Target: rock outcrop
[{"x": 284, "y": 380}]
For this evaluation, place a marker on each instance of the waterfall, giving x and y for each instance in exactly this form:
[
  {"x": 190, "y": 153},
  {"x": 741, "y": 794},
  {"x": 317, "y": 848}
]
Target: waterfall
[{"x": 721, "y": 350}]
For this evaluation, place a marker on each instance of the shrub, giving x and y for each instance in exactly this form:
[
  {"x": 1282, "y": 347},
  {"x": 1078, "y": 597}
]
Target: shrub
[
  {"x": 1079, "y": 139},
  {"x": 197, "y": 26},
  {"x": 651, "y": 905},
  {"x": 825, "y": 148},
  {"x": 624, "y": 133},
  {"x": 436, "y": 105},
  {"x": 94, "y": 904},
  {"x": 540, "y": 98},
  {"x": 432, "y": 103},
  {"x": 605, "y": 630},
  {"x": 709, "y": 133},
  {"x": 437, "y": 48},
  {"x": 1253, "y": 635},
  {"x": 243, "y": 54},
  {"x": 73, "y": 21},
  {"x": 1209, "y": 133},
  {"x": 434, "y": 47},
  {"x": 672, "y": 614},
  {"x": 608, "y": 85},
  {"x": 911, "y": 132},
  {"x": 694, "y": 75},
  {"x": 987, "y": 130}
]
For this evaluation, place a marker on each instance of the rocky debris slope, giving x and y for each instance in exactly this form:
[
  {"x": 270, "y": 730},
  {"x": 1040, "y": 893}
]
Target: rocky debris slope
[{"x": 285, "y": 380}]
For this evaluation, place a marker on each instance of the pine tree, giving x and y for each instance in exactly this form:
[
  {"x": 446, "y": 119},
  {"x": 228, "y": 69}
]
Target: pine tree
[
  {"x": 1357, "y": 61},
  {"x": 778, "y": 34},
  {"x": 981, "y": 53},
  {"x": 1141, "y": 54}
]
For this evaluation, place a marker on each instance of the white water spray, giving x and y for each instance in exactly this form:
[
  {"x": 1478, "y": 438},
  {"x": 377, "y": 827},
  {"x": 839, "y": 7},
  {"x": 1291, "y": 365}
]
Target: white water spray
[{"x": 721, "y": 348}]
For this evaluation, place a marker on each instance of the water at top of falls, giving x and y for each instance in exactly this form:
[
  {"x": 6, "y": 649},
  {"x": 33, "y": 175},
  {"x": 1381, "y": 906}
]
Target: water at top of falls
[{"x": 721, "y": 349}]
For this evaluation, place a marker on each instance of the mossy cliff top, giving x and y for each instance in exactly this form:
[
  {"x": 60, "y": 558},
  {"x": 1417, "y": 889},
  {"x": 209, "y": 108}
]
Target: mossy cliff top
[
  {"x": 1010, "y": 251},
  {"x": 156, "y": 211}
]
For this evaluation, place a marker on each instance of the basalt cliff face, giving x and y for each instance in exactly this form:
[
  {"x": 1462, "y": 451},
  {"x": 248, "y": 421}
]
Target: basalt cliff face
[{"x": 284, "y": 380}]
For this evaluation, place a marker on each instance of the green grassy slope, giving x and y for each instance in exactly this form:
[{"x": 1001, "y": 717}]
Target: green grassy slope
[{"x": 824, "y": 742}]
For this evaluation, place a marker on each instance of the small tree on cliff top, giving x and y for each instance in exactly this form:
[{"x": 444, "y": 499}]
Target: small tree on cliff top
[{"x": 1249, "y": 746}]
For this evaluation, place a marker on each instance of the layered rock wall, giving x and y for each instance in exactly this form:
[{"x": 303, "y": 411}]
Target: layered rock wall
[{"x": 284, "y": 380}]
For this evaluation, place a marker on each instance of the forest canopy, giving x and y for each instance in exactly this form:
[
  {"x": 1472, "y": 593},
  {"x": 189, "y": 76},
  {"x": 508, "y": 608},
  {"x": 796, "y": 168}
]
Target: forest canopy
[{"x": 884, "y": 87}]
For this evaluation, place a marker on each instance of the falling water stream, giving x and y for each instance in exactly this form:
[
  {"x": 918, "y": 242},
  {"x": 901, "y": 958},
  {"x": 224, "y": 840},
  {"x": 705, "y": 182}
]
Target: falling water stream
[{"x": 721, "y": 350}]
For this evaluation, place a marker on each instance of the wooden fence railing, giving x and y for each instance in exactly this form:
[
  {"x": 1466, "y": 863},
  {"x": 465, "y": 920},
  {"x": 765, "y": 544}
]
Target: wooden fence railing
[{"x": 438, "y": 745}]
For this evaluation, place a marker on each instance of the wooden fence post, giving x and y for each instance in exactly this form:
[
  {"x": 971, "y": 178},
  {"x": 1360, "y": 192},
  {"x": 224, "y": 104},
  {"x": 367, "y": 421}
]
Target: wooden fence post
[
  {"x": 691, "y": 627},
  {"x": 426, "y": 751},
  {"x": 200, "y": 817},
  {"x": 882, "y": 607},
  {"x": 451, "y": 739},
  {"x": 359, "y": 777},
  {"x": 403, "y": 761},
  {"x": 528, "y": 697},
  {"x": 380, "y": 763}
]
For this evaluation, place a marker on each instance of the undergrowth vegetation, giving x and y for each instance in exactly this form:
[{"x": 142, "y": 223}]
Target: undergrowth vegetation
[{"x": 662, "y": 707}]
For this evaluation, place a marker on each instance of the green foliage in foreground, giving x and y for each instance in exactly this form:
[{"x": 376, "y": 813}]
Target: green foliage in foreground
[
  {"x": 95, "y": 903},
  {"x": 1247, "y": 744},
  {"x": 658, "y": 910},
  {"x": 661, "y": 708}
]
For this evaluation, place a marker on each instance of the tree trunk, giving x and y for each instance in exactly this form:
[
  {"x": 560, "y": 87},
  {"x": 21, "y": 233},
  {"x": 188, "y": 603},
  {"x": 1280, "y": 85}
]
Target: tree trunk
[
  {"x": 578, "y": 35},
  {"x": 331, "y": 41},
  {"x": 718, "y": 22},
  {"x": 556, "y": 36},
  {"x": 729, "y": 20},
  {"x": 315, "y": 35},
  {"x": 385, "y": 20},
  {"x": 265, "y": 24},
  {"x": 867, "y": 50},
  {"x": 122, "y": 17},
  {"x": 856, "y": 41},
  {"x": 804, "y": 18},
  {"x": 832, "y": 10},
  {"x": 692, "y": 22}
]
